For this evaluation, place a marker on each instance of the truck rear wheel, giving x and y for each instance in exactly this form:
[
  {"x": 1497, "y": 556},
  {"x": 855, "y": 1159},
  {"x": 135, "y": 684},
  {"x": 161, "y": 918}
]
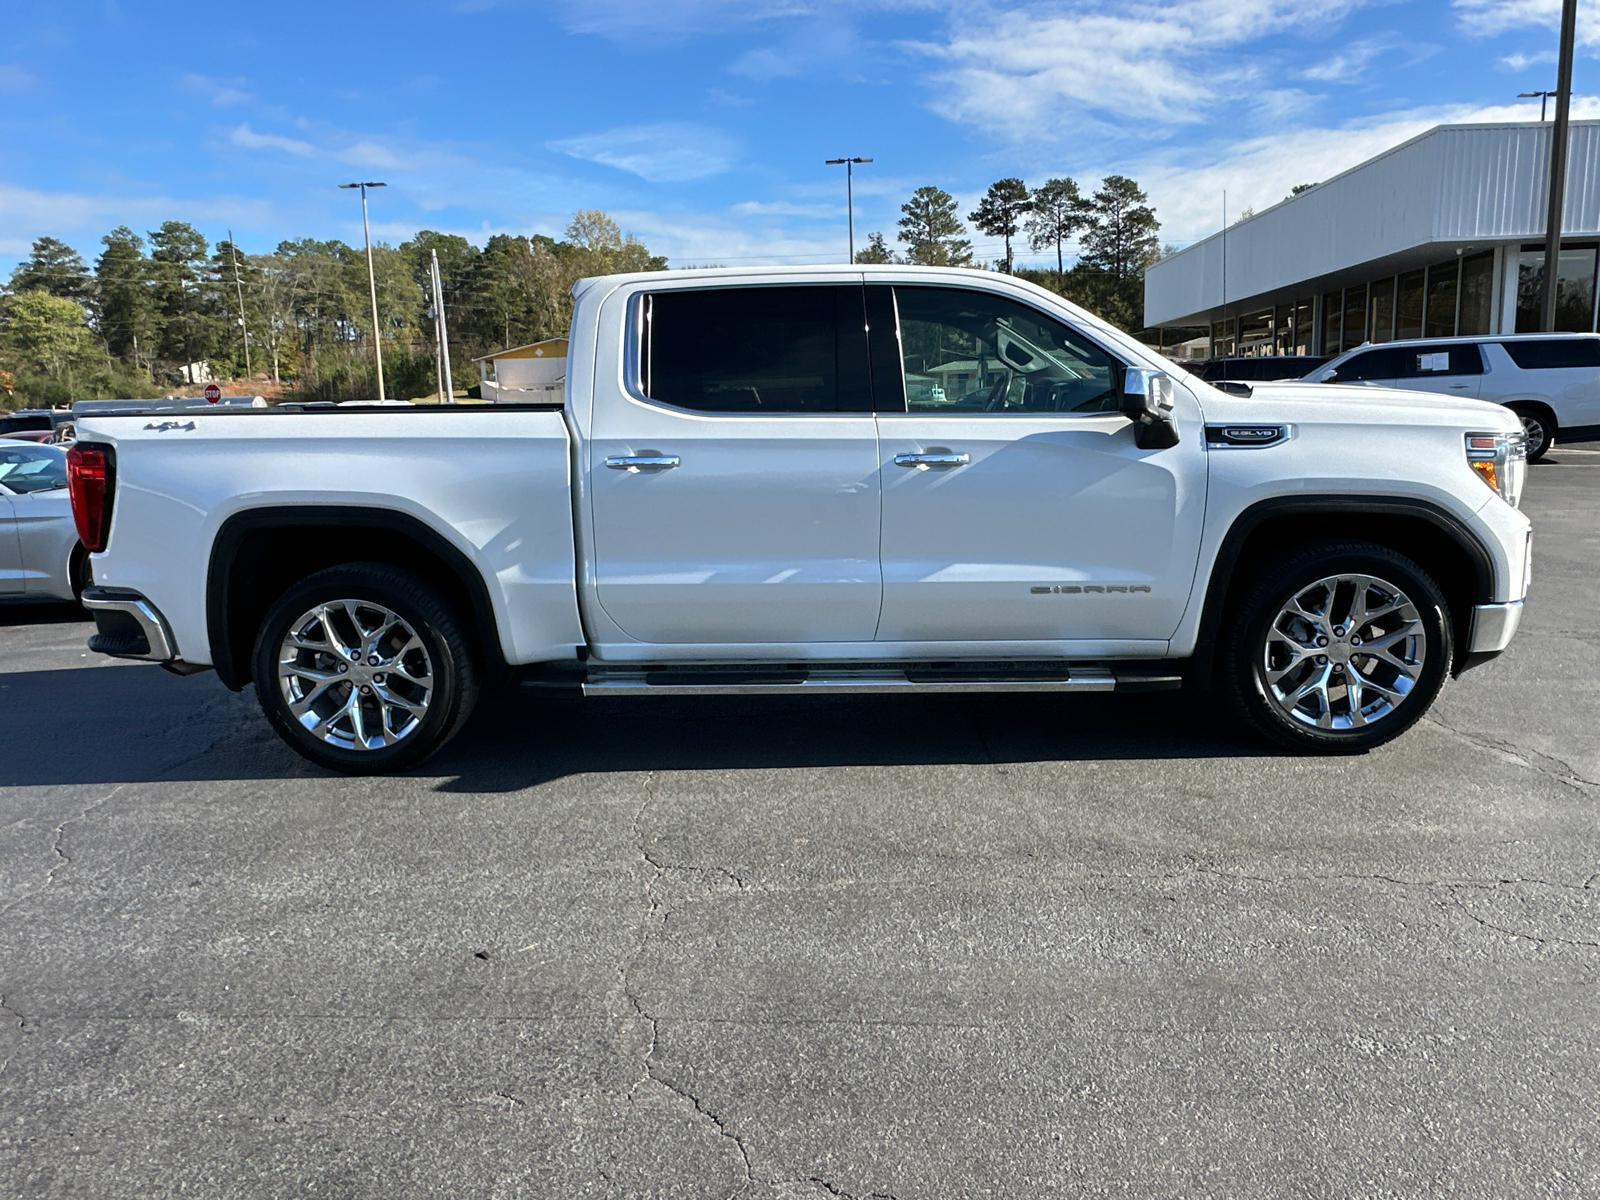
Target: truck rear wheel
[
  {"x": 364, "y": 668},
  {"x": 1337, "y": 648}
]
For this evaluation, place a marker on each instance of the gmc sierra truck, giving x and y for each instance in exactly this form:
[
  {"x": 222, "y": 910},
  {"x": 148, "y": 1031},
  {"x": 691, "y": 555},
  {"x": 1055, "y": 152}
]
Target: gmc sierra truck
[{"x": 841, "y": 480}]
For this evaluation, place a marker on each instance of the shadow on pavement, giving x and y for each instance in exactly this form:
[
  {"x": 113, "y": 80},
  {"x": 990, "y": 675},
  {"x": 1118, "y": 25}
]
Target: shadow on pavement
[
  {"x": 53, "y": 613},
  {"x": 137, "y": 723}
]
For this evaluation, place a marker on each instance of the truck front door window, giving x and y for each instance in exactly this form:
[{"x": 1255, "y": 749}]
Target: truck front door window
[{"x": 970, "y": 352}]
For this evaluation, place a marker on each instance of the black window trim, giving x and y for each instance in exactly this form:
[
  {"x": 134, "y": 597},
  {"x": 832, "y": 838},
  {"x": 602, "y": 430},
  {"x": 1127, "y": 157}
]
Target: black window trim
[{"x": 636, "y": 343}]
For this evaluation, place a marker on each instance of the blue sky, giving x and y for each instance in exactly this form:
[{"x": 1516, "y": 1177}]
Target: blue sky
[{"x": 702, "y": 124}]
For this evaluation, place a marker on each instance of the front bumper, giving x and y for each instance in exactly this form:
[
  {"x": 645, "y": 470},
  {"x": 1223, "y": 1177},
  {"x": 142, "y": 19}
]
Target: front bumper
[
  {"x": 1491, "y": 631},
  {"x": 128, "y": 626}
]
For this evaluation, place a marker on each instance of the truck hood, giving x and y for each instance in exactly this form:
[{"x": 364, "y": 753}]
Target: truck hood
[{"x": 1353, "y": 404}]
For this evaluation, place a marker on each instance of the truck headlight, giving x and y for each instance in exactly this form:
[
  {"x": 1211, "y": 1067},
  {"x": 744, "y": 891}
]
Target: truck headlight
[{"x": 1501, "y": 461}]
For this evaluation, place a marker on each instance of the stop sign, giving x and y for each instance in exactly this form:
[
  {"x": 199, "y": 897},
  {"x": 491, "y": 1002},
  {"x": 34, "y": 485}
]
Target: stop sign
[{"x": 213, "y": 393}]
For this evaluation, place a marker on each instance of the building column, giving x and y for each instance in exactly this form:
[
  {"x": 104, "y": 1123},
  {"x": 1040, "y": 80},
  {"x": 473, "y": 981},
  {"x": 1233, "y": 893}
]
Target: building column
[{"x": 1505, "y": 264}]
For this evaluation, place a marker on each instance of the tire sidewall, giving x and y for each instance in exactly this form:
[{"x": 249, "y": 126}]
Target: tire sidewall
[
  {"x": 1267, "y": 600},
  {"x": 399, "y": 594}
]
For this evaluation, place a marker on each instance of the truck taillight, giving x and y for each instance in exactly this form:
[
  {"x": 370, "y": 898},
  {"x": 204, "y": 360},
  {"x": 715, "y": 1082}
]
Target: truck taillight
[{"x": 91, "y": 479}]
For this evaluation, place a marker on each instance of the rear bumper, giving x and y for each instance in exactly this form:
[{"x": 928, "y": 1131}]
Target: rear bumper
[{"x": 128, "y": 626}]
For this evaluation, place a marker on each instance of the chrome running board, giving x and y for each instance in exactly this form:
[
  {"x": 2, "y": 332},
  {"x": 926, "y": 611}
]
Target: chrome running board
[{"x": 864, "y": 680}]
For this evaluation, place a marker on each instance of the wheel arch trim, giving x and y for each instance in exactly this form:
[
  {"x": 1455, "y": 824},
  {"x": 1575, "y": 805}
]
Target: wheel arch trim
[
  {"x": 240, "y": 525},
  {"x": 1256, "y": 515}
]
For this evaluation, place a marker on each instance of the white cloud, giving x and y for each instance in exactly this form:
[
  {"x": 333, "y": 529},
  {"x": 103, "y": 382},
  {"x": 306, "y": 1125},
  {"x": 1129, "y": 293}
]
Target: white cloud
[
  {"x": 224, "y": 93},
  {"x": 364, "y": 153},
  {"x": 68, "y": 214},
  {"x": 1521, "y": 62},
  {"x": 249, "y": 139},
  {"x": 1348, "y": 64},
  {"x": 784, "y": 208},
  {"x": 14, "y": 79},
  {"x": 665, "y": 152},
  {"x": 1487, "y": 18},
  {"x": 1144, "y": 66}
]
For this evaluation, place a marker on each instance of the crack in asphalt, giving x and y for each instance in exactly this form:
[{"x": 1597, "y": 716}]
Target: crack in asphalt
[
  {"x": 658, "y": 907},
  {"x": 1560, "y": 771},
  {"x": 834, "y": 1190},
  {"x": 62, "y": 858}
]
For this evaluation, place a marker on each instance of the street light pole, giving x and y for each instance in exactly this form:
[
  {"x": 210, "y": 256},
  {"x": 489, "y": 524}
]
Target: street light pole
[
  {"x": 1558, "y": 165},
  {"x": 1543, "y": 97},
  {"x": 372, "y": 279},
  {"x": 849, "y": 195}
]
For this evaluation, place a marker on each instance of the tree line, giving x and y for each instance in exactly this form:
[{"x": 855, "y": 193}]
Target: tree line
[
  {"x": 151, "y": 305},
  {"x": 1115, "y": 227}
]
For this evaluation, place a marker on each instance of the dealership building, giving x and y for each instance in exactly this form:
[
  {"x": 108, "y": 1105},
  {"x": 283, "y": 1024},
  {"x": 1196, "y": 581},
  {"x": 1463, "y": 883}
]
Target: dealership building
[{"x": 1441, "y": 235}]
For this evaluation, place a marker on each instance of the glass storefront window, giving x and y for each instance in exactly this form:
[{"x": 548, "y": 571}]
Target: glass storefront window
[
  {"x": 1222, "y": 339},
  {"x": 1574, "y": 289},
  {"x": 1255, "y": 333},
  {"x": 1332, "y": 314},
  {"x": 1408, "y": 305},
  {"x": 1355, "y": 316},
  {"x": 1382, "y": 310},
  {"x": 1443, "y": 281},
  {"x": 1283, "y": 327},
  {"x": 1303, "y": 327},
  {"x": 1477, "y": 293}
]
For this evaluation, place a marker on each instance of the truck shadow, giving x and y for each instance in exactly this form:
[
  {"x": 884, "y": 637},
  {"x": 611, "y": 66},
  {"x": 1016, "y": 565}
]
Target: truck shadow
[{"x": 136, "y": 723}]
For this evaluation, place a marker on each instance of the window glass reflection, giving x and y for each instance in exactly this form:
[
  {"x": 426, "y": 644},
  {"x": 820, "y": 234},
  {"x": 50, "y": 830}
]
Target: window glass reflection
[{"x": 1408, "y": 305}]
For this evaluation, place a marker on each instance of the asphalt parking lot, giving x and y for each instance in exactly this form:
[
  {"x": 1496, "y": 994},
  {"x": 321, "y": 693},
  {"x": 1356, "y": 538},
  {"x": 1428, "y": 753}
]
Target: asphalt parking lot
[{"x": 933, "y": 947}]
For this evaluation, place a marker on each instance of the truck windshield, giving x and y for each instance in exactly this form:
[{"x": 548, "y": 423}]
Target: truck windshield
[{"x": 29, "y": 468}]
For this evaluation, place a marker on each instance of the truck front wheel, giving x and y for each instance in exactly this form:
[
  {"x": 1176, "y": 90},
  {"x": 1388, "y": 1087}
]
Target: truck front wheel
[
  {"x": 364, "y": 668},
  {"x": 1338, "y": 647}
]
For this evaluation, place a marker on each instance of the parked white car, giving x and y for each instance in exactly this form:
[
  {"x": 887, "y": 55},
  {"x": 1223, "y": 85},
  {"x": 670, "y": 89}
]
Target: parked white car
[
  {"x": 740, "y": 494},
  {"x": 40, "y": 557},
  {"x": 1550, "y": 380}
]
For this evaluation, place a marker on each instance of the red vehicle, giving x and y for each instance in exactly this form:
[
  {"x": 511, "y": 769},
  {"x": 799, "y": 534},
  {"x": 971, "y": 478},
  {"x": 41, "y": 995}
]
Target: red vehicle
[{"x": 30, "y": 435}]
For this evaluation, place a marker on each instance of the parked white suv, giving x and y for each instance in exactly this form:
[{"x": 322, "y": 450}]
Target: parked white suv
[{"x": 1550, "y": 380}]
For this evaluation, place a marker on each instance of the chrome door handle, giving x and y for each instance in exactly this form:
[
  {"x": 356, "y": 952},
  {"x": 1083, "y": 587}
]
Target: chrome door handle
[
  {"x": 923, "y": 461},
  {"x": 642, "y": 462}
]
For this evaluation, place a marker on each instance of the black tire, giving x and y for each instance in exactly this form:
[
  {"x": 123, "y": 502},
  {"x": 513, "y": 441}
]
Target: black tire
[
  {"x": 451, "y": 670},
  {"x": 1539, "y": 424},
  {"x": 1245, "y": 649}
]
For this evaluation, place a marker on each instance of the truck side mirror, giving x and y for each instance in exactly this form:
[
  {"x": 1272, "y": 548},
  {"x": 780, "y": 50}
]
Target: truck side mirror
[{"x": 1147, "y": 402}]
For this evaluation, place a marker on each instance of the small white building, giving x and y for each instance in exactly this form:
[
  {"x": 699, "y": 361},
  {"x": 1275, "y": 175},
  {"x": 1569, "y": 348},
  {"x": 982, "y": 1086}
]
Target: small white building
[
  {"x": 1442, "y": 235},
  {"x": 531, "y": 374}
]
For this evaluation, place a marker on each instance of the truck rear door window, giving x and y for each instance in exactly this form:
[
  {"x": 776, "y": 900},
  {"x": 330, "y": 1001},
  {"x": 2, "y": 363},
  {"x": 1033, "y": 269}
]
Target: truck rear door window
[
  {"x": 758, "y": 350},
  {"x": 1554, "y": 353}
]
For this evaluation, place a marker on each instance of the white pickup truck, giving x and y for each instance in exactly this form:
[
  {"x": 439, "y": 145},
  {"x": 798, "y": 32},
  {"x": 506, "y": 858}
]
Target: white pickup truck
[{"x": 784, "y": 481}]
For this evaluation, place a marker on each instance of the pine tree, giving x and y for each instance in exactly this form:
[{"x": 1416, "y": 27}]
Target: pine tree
[
  {"x": 932, "y": 231},
  {"x": 57, "y": 268},
  {"x": 1057, "y": 214},
  {"x": 127, "y": 312},
  {"x": 877, "y": 251},
  {"x": 1119, "y": 242},
  {"x": 1000, "y": 212}
]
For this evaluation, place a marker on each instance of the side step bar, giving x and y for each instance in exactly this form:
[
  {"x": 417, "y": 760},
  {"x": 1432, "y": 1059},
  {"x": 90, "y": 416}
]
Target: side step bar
[{"x": 863, "y": 680}]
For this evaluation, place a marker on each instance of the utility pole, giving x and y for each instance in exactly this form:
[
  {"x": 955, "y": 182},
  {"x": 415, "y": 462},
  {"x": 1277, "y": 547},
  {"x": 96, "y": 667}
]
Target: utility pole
[
  {"x": 233, "y": 253},
  {"x": 443, "y": 333},
  {"x": 849, "y": 195},
  {"x": 1558, "y": 165},
  {"x": 372, "y": 279}
]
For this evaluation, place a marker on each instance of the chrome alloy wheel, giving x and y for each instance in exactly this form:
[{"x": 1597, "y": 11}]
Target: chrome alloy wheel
[
  {"x": 355, "y": 674},
  {"x": 1344, "y": 652},
  {"x": 1534, "y": 431}
]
